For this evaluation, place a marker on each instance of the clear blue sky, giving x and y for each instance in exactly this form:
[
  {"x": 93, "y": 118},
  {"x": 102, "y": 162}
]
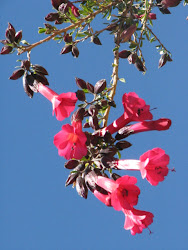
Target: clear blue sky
[{"x": 36, "y": 210}]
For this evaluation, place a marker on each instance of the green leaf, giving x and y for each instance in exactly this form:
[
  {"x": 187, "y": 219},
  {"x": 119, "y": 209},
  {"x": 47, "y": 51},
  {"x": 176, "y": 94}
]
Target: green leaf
[
  {"x": 41, "y": 30},
  {"x": 122, "y": 80},
  {"x": 119, "y": 155}
]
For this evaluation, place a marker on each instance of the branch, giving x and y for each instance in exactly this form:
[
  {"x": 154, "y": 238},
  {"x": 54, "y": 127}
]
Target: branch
[{"x": 64, "y": 30}]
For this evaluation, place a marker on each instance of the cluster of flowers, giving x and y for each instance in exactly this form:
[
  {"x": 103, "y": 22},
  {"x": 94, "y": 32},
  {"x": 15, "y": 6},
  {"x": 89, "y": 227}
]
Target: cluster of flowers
[{"x": 91, "y": 154}]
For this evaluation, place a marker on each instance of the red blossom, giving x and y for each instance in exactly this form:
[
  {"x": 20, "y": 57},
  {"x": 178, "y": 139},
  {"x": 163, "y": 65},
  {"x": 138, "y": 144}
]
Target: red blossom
[
  {"x": 154, "y": 167},
  {"x": 71, "y": 141},
  {"x": 135, "y": 109},
  {"x": 160, "y": 124},
  {"x": 137, "y": 220},
  {"x": 123, "y": 192},
  {"x": 62, "y": 104}
]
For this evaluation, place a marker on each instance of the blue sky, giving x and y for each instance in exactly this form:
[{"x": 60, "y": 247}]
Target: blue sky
[{"x": 36, "y": 210}]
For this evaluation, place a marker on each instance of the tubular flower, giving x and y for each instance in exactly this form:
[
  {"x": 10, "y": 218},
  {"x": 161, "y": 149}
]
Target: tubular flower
[
  {"x": 152, "y": 165},
  {"x": 156, "y": 168},
  {"x": 71, "y": 141},
  {"x": 137, "y": 220},
  {"x": 160, "y": 124},
  {"x": 135, "y": 109},
  {"x": 62, "y": 104},
  {"x": 123, "y": 192}
]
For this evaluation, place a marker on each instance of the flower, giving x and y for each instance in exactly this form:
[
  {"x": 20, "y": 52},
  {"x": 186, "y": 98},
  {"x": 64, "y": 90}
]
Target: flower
[
  {"x": 137, "y": 220},
  {"x": 155, "y": 164},
  {"x": 123, "y": 192},
  {"x": 135, "y": 109},
  {"x": 71, "y": 141},
  {"x": 62, "y": 104},
  {"x": 152, "y": 165},
  {"x": 160, "y": 124}
]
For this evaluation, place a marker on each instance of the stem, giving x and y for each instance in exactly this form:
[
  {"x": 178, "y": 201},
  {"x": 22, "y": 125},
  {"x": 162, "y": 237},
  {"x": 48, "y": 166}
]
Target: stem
[
  {"x": 115, "y": 69},
  {"x": 64, "y": 30},
  {"x": 157, "y": 38},
  {"x": 115, "y": 80}
]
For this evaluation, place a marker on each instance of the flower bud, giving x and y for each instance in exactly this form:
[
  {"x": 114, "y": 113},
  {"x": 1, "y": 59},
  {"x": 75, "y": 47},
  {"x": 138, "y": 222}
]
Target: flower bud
[
  {"x": 164, "y": 58},
  {"x": 90, "y": 87},
  {"x": 124, "y": 53},
  {"x": 115, "y": 176},
  {"x": 100, "y": 86},
  {"x": 123, "y": 144},
  {"x": 39, "y": 69},
  {"x": 57, "y": 3},
  {"x": 92, "y": 110},
  {"x": 64, "y": 7},
  {"x": 81, "y": 187},
  {"x": 139, "y": 65},
  {"x": 71, "y": 164},
  {"x": 78, "y": 115},
  {"x": 75, "y": 11},
  {"x": 41, "y": 78},
  {"x": 25, "y": 64},
  {"x": 132, "y": 58},
  {"x": 18, "y": 36},
  {"x": 80, "y": 95},
  {"x": 96, "y": 40},
  {"x": 67, "y": 38},
  {"x": 17, "y": 74},
  {"x": 75, "y": 51},
  {"x": 126, "y": 34},
  {"x": 71, "y": 179},
  {"x": 80, "y": 83},
  {"x": 66, "y": 49},
  {"x": 6, "y": 50},
  {"x": 52, "y": 17},
  {"x": 93, "y": 122},
  {"x": 110, "y": 151},
  {"x": 112, "y": 104},
  {"x": 123, "y": 133},
  {"x": 26, "y": 87}
]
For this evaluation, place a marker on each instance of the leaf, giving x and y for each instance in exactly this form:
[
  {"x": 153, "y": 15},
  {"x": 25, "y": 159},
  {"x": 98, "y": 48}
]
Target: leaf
[
  {"x": 41, "y": 30},
  {"x": 122, "y": 80}
]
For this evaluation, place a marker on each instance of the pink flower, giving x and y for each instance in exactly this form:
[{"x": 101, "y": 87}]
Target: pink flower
[
  {"x": 137, "y": 220},
  {"x": 160, "y": 124},
  {"x": 123, "y": 192},
  {"x": 135, "y": 109},
  {"x": 155, "y": 164},
  {"x": 152, "y": 165},
  {"x": 71, "y": 141},
  {"x": 62, "y": 104}
]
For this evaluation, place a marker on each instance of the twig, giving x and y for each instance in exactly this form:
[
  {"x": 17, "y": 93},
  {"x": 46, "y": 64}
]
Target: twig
[{"x": 64, "y": 30}]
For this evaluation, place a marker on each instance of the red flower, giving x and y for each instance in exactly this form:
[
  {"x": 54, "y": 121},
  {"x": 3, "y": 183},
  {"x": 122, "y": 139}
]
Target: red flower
[
  {"x": 154, "y": 167},
  {"x": 137, "y": 220},
  {"x": 160, "y": 124},
  {"x": 135, "y": 109},
  {"x": 71, "y": 141},
  {"x": 123, "y": 192},
  {"x": 62, "y": 104}
]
